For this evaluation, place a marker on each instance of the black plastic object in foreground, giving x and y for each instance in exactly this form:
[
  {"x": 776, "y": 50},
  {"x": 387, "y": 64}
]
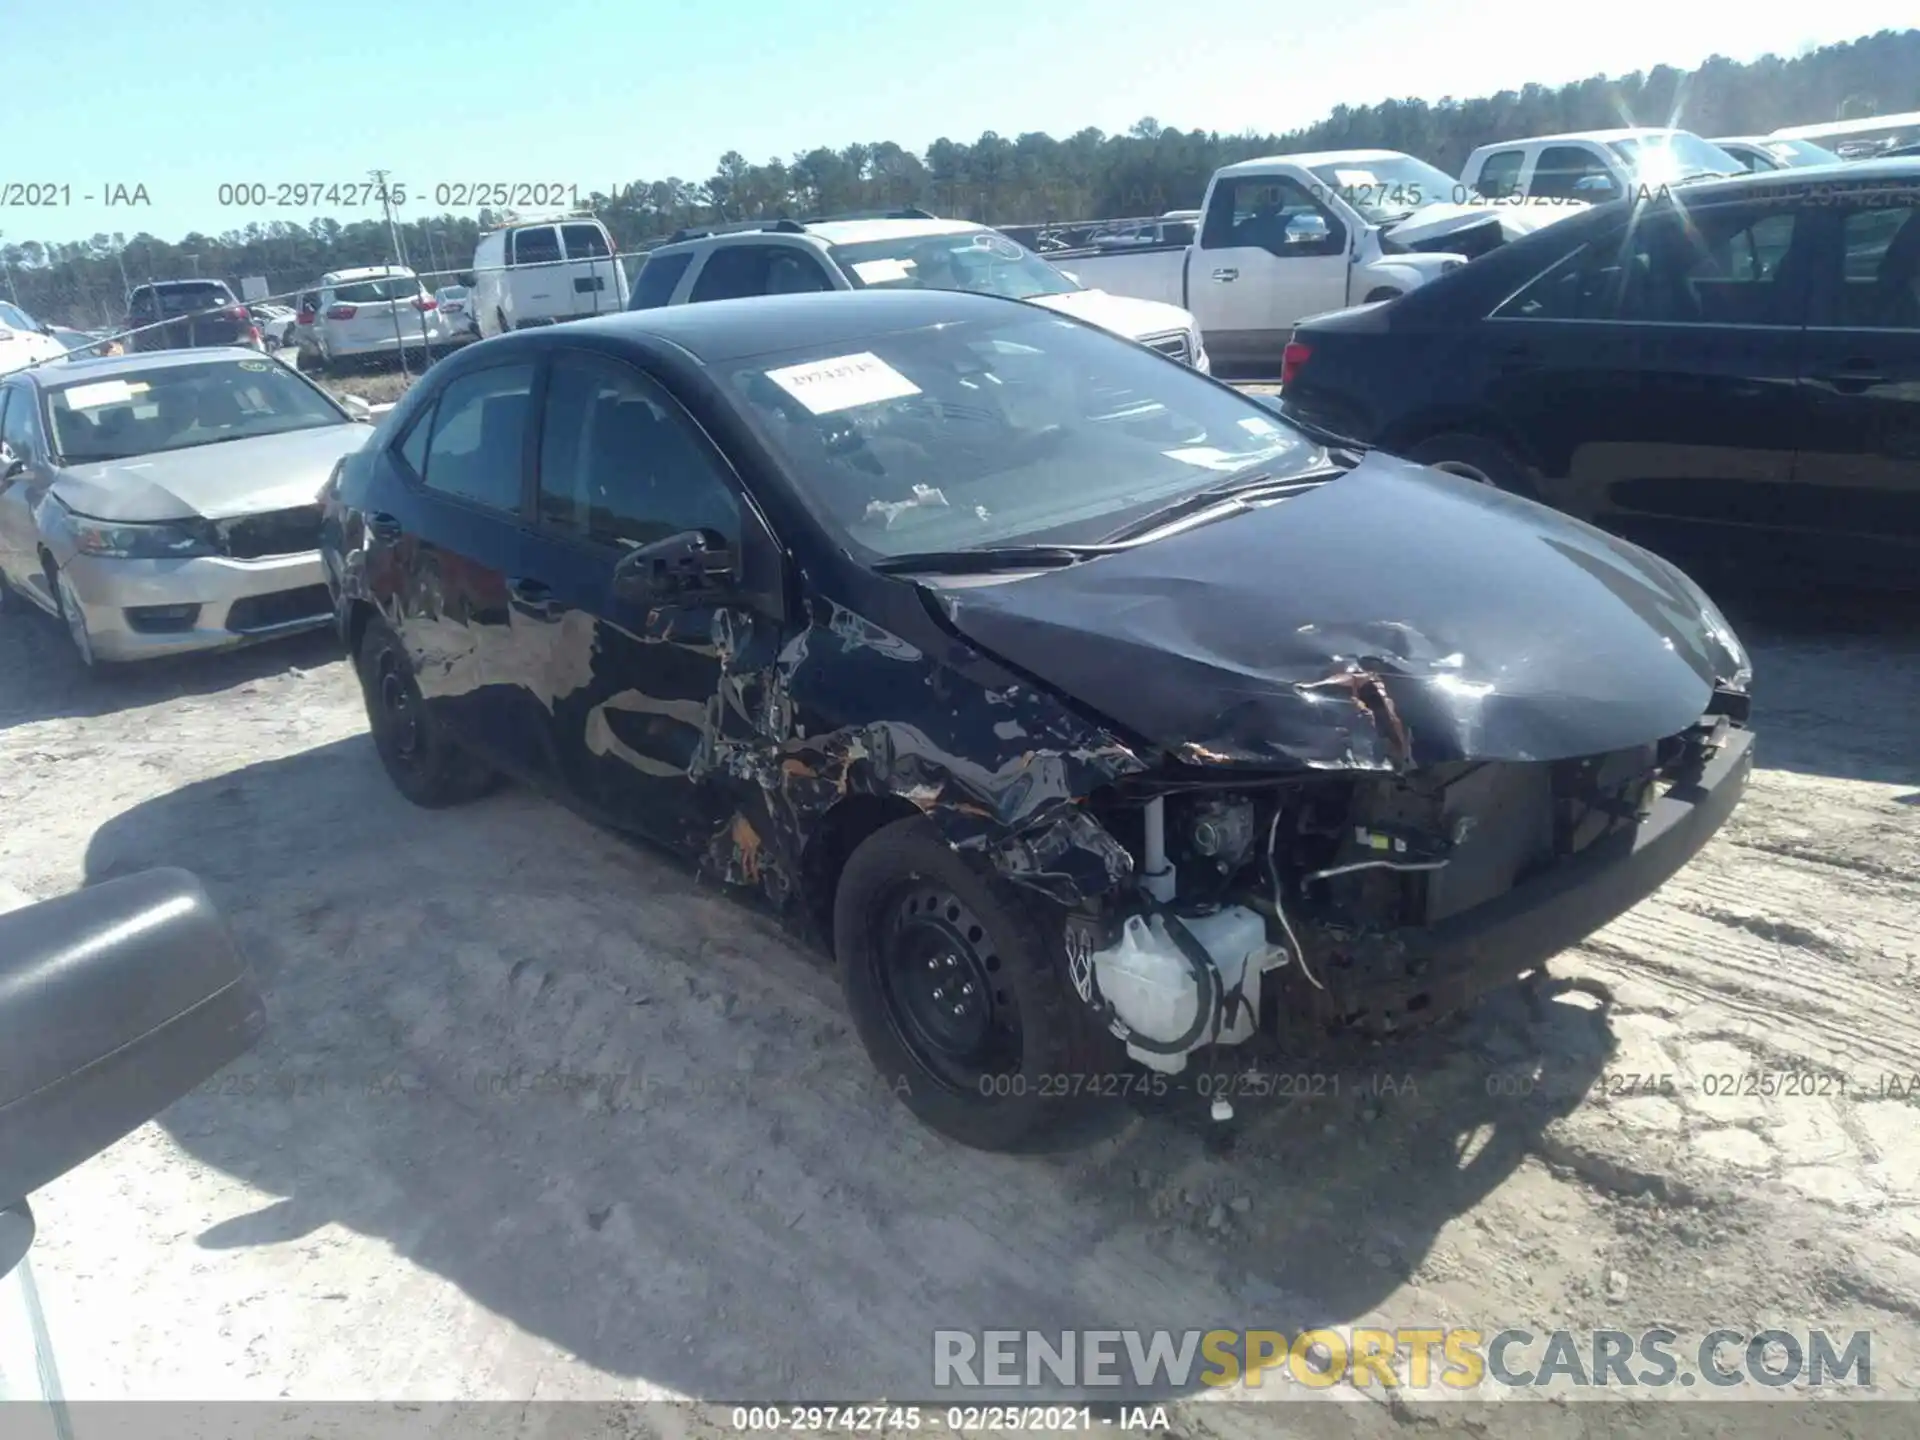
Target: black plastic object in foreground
[{"x": 114, "y": 1001}]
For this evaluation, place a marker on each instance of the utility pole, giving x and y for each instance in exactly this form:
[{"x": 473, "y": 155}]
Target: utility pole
[{"x": 379, "y": 178}]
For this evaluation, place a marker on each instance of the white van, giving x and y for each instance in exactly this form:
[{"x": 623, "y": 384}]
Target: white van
[{"x": 540, "y": 272}]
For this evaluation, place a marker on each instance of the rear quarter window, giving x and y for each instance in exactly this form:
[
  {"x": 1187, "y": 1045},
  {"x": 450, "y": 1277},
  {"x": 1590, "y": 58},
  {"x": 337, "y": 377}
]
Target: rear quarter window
[{"x": 659, "y": 277}]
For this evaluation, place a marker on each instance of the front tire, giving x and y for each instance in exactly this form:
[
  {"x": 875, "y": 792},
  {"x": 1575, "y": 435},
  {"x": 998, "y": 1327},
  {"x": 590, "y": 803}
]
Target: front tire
[
  {"x": 75, "y": 619},
  {"x": 424, "y": 762},
  {"x": 960, "y": 994},
  {"x": 1385, "y": 292},
  {"x": 1476, "y": 458}
]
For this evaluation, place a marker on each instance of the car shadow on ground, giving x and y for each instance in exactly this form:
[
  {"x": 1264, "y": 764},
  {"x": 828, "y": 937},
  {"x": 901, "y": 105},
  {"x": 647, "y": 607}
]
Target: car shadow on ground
[
  {"x": 625, "y": 1113},
  {"x": 46, "y": 681},
  {"x": 1836, "y": 680}
]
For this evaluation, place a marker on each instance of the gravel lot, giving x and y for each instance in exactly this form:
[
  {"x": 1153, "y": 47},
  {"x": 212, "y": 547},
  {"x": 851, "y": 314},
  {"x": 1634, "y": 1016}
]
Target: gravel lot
[{"x": 717, "y": 1197}]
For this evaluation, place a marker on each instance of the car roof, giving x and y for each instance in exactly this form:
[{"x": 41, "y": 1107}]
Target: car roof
[
  {"x": 1310, "y": 159},
  {"x": 365, "y": 272},
  {"x": 855, "y": 232},
  {"x": 198, "y": 280},
  {"x": 1850, "y": 172},
  {"x": 1634, "y": 132},
  {"x": 106, "y": 367},
  {"x": 720, "y": 330}
]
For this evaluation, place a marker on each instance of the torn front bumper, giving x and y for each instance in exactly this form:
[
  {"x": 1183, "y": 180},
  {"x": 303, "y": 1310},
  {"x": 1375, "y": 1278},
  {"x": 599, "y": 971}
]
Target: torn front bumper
[{"x": 1411, "y": 976}]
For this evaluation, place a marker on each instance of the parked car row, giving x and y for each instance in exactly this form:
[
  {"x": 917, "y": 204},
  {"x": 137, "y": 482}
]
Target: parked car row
[
  {"x": 1729, "y": 374},
  {"x": 1093, "y": 713},
  {"x": 907, "y": 249}
]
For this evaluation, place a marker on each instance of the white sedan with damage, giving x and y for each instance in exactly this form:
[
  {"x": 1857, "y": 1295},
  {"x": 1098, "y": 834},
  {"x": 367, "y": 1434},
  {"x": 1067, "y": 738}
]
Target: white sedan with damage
[{"x": 167, "y": 502}]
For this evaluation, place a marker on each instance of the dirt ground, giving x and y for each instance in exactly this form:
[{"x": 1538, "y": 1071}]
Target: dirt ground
[{"x": 538, "y": 1117}]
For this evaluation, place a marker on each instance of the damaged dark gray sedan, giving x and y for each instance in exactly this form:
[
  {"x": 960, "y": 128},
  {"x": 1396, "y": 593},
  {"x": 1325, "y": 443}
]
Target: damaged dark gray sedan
[{"x": 1088, "y": 711}]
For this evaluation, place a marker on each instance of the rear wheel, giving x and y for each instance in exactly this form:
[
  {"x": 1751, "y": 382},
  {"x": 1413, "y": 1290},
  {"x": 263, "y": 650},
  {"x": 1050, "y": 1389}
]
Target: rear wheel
[
  {"x": 424, "y": 762},
  {"x": 1385, "y": 292},
  {"x": 1476, "y": 458},
  {"x": 962, "y": 1000}
]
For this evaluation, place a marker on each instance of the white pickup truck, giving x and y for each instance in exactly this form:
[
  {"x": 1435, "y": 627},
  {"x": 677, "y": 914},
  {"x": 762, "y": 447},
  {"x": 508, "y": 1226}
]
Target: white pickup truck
[{"x": 1291, "y": 236}]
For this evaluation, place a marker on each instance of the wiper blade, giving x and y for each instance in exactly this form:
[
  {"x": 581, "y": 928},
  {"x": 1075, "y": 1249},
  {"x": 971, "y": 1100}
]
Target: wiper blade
[
  {"x": 993, "y": 557},
  {"x": 1252, "y": 487}
]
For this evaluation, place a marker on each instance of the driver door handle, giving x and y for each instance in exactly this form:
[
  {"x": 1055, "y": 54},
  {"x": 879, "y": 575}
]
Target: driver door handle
[
  {"x": 1225, "y": 275},
  {"x": 1853, "y": 377}
]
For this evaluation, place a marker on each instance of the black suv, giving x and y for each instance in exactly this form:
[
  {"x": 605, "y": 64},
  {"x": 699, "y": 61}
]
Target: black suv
[
  {"x": 1091, "y": 714},
  {"x": 188, "y": 315}
]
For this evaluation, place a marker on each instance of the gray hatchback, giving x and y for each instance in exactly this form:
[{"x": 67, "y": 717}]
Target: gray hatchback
[{"x": 164, "y": 503}]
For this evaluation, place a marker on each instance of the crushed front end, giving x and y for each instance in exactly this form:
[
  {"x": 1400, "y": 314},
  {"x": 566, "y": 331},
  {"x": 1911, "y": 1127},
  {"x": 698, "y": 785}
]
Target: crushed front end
[{"x": 1374, "y": 901}]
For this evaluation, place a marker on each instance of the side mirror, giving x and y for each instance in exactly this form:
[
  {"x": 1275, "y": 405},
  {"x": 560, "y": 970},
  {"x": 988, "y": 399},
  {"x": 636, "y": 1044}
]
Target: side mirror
[
  {"x": 357, "y": 406},
  {"x": 1306, "y": 230},
  {"x": 115, "y": 1001},
  {"x": 685, "y": 569}
]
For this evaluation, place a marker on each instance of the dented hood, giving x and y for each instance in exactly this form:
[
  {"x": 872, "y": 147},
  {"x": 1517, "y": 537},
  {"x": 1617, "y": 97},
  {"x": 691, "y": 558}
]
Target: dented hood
[{"x": 1393, "y": 617}]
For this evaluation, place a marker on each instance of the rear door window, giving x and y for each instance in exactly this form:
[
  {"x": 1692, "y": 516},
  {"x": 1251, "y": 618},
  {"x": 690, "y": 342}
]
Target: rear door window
[
  {"x": 585, "y": 242},
  {"x": 538, "y": 246},
  {"x": 1499, "y": 176},
  {"x": 659, "y": 277},
  {"x": 1724, "y": 265},
  {"x": 1571, "y": 172},
  {"x": 1880, "y": 269},
  {"x": 733, "y": 272}
]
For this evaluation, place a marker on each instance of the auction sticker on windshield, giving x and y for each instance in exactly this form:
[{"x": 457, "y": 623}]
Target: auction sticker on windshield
[
  {"x": 882, "y": 272},
  {"x": 828, "y": 386},
  {"x": 101, "y": 392}
]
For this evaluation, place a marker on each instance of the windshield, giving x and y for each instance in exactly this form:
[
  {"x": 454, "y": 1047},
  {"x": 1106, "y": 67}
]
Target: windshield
[
  {"x": 1678, "y": 155},
  {"x": 1028, "y": 428},
  {"x": 978, "y": 260},
  {"x": 176, "y": 407},
  {"x": 1387, "y": 189},
  {"x": 371, "y": 292},
  {"x": 1798, "y": 152}
]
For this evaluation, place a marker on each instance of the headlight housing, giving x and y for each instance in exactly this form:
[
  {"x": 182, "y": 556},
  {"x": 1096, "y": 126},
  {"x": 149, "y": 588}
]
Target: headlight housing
[{"x": 126, "y": 540}]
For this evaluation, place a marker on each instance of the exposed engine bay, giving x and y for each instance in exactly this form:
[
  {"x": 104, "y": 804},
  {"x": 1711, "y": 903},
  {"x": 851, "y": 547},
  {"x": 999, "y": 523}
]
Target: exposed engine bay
[{"x": 1265, "y": 905}]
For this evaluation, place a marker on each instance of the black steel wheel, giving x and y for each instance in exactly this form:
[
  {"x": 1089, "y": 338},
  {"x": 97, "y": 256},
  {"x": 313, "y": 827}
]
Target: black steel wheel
[
  {"x": 425, "y": 763},
  {"x": 957, "y": 983},
  {"x": 939, "y": 974}
]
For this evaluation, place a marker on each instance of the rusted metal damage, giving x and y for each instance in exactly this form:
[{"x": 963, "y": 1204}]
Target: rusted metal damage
[{"x": 1368, "y": 691}]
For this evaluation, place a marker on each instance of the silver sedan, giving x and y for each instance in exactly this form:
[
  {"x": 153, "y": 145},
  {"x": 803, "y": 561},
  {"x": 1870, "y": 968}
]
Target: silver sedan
[{"x": 162, "y": 503}]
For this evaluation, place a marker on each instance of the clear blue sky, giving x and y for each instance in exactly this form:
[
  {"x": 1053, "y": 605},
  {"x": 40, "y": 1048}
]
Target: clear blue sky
[{"x": 182, "y": 97}]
